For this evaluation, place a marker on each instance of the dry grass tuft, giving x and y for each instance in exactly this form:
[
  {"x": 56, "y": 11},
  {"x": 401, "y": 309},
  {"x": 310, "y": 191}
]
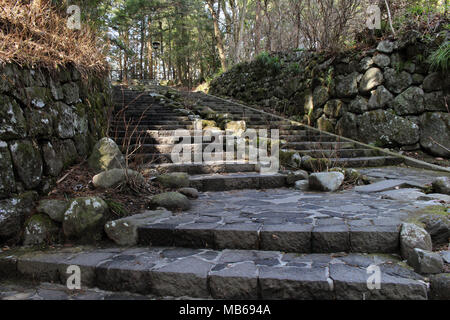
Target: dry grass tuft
[{"x": 33, "y": 34}]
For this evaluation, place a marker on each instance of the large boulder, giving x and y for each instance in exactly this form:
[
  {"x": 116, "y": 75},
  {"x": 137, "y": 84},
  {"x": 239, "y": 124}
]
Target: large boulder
[
  {"x": 435, "y": 82},
  {"x": 435, "y": 135},
  {"x": 325, "y": 124},
  {"x": 173, "y": 201},
  {"x": 40, "y": 229},
  {"x": 382, "y": 127},
  {"x": 7, "y": 180},
  {"x": 382, "y": 60},
  {"x": 411, "y": 237},
  {"x": 65, "y": 120},
  {"x": 425, "y": 262},
  {"x": 84, "y": 219},
  {"x": 40, "y": 123},
  {"x": 71, "y": 93},
  {"x": 28, "y": 163},
  {"x": 358, "y": 105},
  {"x": 174, "y": 180},
  {"x": 347, "y": 126},
  {"x": 53, "y": 163},
  {"x": 13, "y": 213},
  {"x": 320, "y": 96},
  {"x": 371, "y": 79},
  {"x": 442, "y": 185},
  {"x": 326, "y": 181},
  {"x": 114, "y": 177},
  {"x": 436, "y": 101},
  {"x": 55, "y": 209},
  {"x": 440, "y": 286},
  {"x": 12, "y": 119},
  {"x": 124, "y": 231},
  {"x": 380, "y": 98},
  {"x": 409, "y": 102},
  {"x": 347, "y": 86},
  {"x": 334, "y": 108},
  {"x": 397, "y": 82},
  {"x": 106, "y": 155}
]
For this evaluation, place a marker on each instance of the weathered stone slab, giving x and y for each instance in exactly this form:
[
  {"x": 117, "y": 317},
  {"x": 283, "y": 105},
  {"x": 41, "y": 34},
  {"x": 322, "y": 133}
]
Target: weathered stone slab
[
  {"x": 375, "y": 239},
  {"x": 186, "y": 277},
  {"x": 287, "y": 238},
  {"x": 195, "y": 235},
  {"x": 238, "y": 236},
  {"x": 350, "y": 283},
  {"x": 234, "y": 281},
  {"x": 294, "y": 283},
  {"x": 330, "y": 238}
]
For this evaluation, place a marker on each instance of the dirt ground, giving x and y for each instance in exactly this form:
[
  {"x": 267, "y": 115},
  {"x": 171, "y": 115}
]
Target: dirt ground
[{"x": 76, "y": 182}]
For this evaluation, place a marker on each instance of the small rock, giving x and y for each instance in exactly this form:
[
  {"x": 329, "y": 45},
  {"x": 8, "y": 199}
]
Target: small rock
[
  {"x": 173, "y": 201},
  {"x": 425, "y": 262},
  {"x": 382, "y": 60},
  {"x": 124, "y": 231},
  {"x": 191, "y": 193},
  {"x": 174, "y": 180},
  {"x": 412, "y": 237},
  {"x": 442, "y": 185},
  {"x": 40, "y": 229},
  {"x": 294, "y": 176},
  {"x": 53, "y": 208},
  {"x": 326, "y": 181},
  {"x": 236, "y": 127},
  {"x": 114, "y": 177},
  {"x": 302, "y": 185},
  {"x": 84, "y": 219},
  {"x": 438, "y": 226},
  {"x": 386, "y": 46},
  {"x": 106, "y": 155}
]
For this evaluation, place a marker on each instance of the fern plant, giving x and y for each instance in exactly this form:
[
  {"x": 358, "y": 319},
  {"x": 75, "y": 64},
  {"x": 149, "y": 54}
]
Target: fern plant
[{"x": 440, "y": 58}]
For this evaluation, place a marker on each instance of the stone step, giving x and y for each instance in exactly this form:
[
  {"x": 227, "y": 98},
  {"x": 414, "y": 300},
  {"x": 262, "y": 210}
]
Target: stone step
[
  {"x": 228, "y": 274},
  {"x": 237, "y": 181},
  {"x": 257, "y": 234},
  {"x": 361, "y": 162},
  {"x": 186, "y": 147},
  {"x": 147, "y": 122},
  {"x": 309, "y": 137},
  {"x": 313, "y": 145},
  {"x": 344, "y": 153},
  {"x": 156, "y": 158},
  {"x": 208, "y": 168}
]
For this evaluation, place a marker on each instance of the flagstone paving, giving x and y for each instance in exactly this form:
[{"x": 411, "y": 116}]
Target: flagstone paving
[{"x": 226, "y": 274}]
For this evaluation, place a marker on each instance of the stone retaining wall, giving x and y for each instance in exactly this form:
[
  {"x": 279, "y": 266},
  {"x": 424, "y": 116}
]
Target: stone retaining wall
[
  {"x": 47, "y": 122},
  {"x": 386, "y": 96}
]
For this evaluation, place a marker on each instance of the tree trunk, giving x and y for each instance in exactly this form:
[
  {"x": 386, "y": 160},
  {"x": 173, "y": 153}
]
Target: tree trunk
[
  {"x": 239, "y": 44},
  {"x": 218, "y": 34},
  {"x": 150, "y": 48}
]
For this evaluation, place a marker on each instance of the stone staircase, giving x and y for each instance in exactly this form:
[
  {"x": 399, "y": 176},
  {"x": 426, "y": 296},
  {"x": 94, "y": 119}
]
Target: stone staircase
[
  {"x": 146, "y": 125},
  {"x": 264, "y": 242}
]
